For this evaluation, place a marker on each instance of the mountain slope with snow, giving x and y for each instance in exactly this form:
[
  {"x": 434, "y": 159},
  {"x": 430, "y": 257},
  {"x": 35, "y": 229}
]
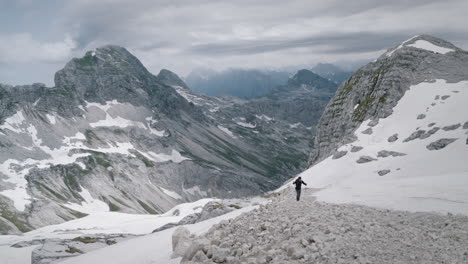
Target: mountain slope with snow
[
  {"x": 415, "y": 159},
  {"x": 396, "y": 133},
  {"x": 111, "y": 136}
]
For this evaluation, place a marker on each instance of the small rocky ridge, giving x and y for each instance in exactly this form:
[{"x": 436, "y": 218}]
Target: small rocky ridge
[{"x": 286, "y": 231}]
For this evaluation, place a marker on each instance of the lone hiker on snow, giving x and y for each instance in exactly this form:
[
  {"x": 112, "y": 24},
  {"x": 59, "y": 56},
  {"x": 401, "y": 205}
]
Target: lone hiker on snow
[{"x": 298, "y": 183}]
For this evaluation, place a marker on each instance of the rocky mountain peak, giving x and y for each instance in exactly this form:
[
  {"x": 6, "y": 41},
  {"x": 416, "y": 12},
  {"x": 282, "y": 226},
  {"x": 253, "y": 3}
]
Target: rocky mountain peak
[
  {"x": 109, "y": 72},
  {"x": 422, "y": 43},
  {"x": 113, "y": 73},
  {"x": 169, "y": 78},
  {"x": 307, "y": 78},
  {"x": 375, "y": 89}
]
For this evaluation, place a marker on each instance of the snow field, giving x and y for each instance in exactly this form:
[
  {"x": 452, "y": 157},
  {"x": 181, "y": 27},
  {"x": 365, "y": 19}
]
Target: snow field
[{"x": 421, "y": 180}]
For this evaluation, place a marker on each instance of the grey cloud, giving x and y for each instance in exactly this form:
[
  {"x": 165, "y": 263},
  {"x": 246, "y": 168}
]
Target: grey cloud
[
  {"x": 336, "y": 42},
  {"x": 184, "y": 34}
]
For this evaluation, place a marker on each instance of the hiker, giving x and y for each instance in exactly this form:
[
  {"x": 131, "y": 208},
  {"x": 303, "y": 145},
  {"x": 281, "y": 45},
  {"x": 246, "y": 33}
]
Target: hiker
[{"x": 298, "y": 183}]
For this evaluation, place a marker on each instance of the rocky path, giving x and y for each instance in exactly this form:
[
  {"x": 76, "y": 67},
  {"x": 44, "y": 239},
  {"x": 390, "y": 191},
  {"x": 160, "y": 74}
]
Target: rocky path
[{"x": 286, "y": 231}]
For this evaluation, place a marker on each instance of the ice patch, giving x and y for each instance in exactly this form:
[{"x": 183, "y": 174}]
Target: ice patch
[
  {"x": 247, "y": 125},
  {"x": 264, "y": 117},
  {"x": 159, "y": 133},
  {"x": 189, "y": 97},
  {"x": 116, "y": 122},
  {"x": 175, "y": 157},
  {"x": 51, "y": 118},
  {"x": 171, "y": 193},
  {"x": 13, "y": 122},
  {"x": 227, "y": 131},
  {"x": 426, "y": 45},
  {"x": 195, "y": 190},
  {"x": 390, "y": 53},
  {"x": 294, "y": 125},
  {"x": 89, "y": 205}
]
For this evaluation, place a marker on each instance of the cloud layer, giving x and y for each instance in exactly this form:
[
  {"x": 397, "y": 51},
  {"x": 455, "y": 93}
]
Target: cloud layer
[{"x": 182, "y": 35}]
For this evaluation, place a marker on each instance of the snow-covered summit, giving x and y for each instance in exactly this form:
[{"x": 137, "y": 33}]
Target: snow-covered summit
[{"x": 423, "y": 42}]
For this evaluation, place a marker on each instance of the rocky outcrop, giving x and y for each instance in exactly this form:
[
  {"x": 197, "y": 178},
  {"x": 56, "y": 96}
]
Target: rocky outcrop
[
  {"x": 373, "y": 90},
  {"x": 210, "y": 210},
  {"x": 440, "y": 144},
  {"x": 290, "y": 232}
]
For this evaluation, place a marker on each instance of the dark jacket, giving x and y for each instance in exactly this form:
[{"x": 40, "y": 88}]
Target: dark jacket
[{"x": 298, "y": 183}]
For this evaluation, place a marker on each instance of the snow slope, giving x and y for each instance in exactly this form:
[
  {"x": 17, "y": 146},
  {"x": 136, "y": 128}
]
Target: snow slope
[
  {"x": 420, "y": 180},
  {"x": 109, "y": 223},
  {"x": 152, "y": 248},
  {"x": 155, "y": 248}
]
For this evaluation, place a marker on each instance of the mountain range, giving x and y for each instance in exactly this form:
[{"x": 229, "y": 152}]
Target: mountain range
[
  {"x": 111, "y": 136},
  {"x": 386, "y": 174}
]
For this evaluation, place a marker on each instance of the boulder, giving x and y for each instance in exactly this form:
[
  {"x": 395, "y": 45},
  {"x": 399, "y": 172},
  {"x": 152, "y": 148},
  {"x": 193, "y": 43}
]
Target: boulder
[
  {"x": 339, "y": 154},
  {"x": 386, "y": 153},
  {"x": 393, "y": 138},
  {"x": 365, "y": 159},
  {"x": 451, "y": 127},
  {"x": 440, "y": 144}
]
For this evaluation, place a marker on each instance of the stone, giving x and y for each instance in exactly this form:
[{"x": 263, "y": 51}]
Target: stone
[
  {"x": 199, "y": 257},
  {"x": 339, "y": 154},
  {"x": 220, "y": 255},
  {"x": 383, "y": 172},
  {"x": 393, "y": 138},
  {"x": 356, "y": 148},
  {"x": 444, "y": 97},
  {"x": 373, "y": 123},
  {"x": 179, "y": 233},
  {"x": 196, "y": 246},
  {"x": 421, "y": 116},
  {"x": 415, "y": 135},
  {"x": 180, "y": 241},
  {"x": 386, "y": 153},
  {"x": 368, "y": 131},
  {"x": 431, "y": 124},
  {"x": 451, "y": 127},
  {"x": 440, "y": 144},
  {"x": 365, "y": 159},
  {"x": 429, "y": 133}
]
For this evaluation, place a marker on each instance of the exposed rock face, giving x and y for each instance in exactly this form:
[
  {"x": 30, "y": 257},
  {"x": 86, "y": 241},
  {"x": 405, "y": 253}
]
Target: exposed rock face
[{"x": 373, "y": 90}]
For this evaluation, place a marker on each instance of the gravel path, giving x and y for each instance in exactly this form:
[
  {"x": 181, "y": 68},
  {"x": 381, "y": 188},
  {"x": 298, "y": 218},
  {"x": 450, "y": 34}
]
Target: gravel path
[{"x": 287, "y": 231}]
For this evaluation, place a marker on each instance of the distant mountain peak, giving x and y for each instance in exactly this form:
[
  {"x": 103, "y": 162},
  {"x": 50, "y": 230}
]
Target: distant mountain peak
[{"x": 308, "y": 78}]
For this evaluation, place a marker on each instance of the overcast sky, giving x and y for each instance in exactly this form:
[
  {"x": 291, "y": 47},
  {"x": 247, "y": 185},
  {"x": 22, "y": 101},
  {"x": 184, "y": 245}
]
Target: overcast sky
[{"x": 37, "y": 37}]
